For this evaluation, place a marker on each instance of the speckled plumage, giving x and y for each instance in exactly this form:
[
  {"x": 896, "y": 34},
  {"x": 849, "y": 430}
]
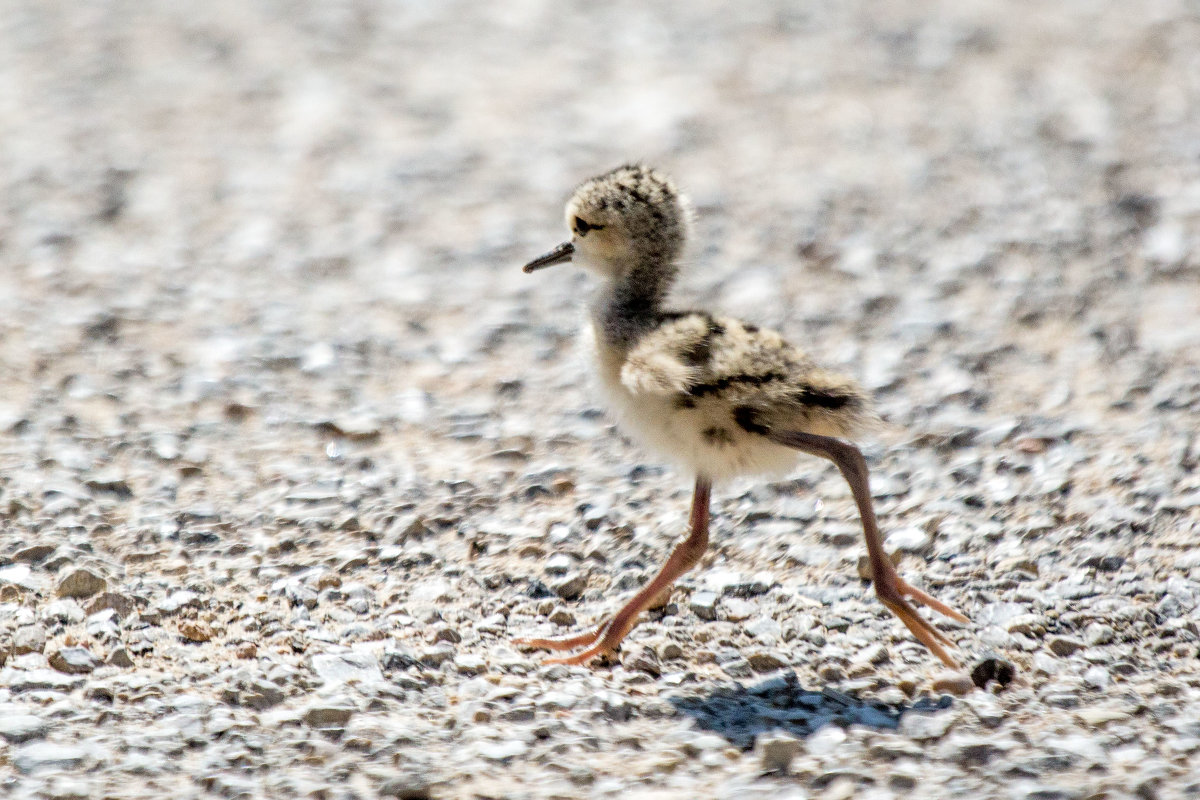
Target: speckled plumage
[
  {"x": 702, "y": 391},
  {"x": 698, "y": 390},
  {"x": 716, "y": 395}
]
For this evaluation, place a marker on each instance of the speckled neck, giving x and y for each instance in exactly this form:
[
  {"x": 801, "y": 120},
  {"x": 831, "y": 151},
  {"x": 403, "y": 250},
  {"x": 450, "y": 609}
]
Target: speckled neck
[{"x": 628, "y": 307}]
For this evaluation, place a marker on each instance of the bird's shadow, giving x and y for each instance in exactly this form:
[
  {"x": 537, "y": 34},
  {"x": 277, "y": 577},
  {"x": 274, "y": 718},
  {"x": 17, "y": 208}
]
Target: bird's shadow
[{"x": 741, "y": 713}]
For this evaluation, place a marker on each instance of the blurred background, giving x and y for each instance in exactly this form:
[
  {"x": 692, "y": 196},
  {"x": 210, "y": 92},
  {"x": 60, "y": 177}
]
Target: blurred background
[
  {"x": 260, "y": 289},
  {"x": 1012, "y": 186}
]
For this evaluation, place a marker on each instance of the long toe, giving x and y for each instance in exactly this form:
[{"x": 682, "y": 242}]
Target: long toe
[
  {"x": 921, "y": 628},
  {"x": 566, "y": 642},
  {"x": 927, "y": 600},
  {"x": 582, "y": 658}
]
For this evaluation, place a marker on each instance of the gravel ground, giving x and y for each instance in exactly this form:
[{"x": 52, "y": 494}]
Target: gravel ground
[{"x": 290, "y": 449}]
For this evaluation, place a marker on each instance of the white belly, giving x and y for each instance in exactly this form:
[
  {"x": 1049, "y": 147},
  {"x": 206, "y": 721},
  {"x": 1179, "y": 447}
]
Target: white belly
[{"x": 702, "y": 440}]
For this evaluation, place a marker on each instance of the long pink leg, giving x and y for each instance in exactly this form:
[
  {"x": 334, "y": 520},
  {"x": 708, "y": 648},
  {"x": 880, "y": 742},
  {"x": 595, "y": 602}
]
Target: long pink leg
[
  {"x": 889, "y": 586},
  {"x": 607, "y": 637}
]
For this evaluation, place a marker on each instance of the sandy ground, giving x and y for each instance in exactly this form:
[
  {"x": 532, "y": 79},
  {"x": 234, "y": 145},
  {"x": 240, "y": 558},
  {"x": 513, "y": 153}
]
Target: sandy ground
[{"x": 290, "y": 448}]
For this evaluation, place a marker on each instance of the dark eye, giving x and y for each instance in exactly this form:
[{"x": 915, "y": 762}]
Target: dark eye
[{"x": 582, "y": 226}]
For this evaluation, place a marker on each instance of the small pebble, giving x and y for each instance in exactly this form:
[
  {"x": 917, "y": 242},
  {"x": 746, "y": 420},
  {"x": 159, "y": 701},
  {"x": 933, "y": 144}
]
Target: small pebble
[
  {"x": 119, "y": 657},
  {"x": 17, "y": 727},
  {"x": 502, "y": 751},
  {"x": 993, "y": 669},
  {"x": 74, "y": 660},
  {"x": 1064, "y": 645},
  {"x": 28, "y": 639},
  {"x": 570, "y": 587},
  {"x": 328, "y": 716},
  {"x": 704, "y": 605},
  {"x": 957, "y": 683},
  {"x": 778, "y": 751},
  {"x": 195, "y": 631},
  {"x": 766, "y": 660},
  {"x": 562, "y": 616},
  {"x": 80, "y": 582},
  {"x": 1097, "y": 678}
]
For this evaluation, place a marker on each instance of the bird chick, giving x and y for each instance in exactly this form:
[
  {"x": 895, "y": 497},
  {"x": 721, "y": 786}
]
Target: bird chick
[{"x": 716, "y": 396}]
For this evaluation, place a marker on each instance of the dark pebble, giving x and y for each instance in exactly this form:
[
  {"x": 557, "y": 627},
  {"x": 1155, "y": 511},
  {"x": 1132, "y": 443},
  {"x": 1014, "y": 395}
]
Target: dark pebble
[{"x": 993, "y": 669}]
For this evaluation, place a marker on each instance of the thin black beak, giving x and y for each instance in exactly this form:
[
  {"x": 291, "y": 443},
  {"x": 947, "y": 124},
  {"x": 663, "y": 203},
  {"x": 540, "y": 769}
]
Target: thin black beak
[{"x": 558, "y": 255}]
